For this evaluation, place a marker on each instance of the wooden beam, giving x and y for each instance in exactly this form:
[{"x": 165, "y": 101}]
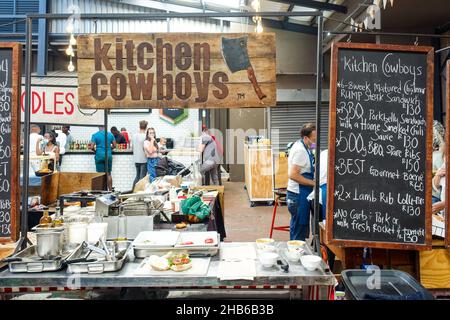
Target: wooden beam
[{"x": 315, "y": 5}]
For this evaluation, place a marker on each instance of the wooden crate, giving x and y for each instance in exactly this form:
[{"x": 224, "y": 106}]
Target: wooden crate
[
  {"x": 281, "y": 172},
  {"x": 59, "y": 183},
  {"x": 259, "y": 179}
]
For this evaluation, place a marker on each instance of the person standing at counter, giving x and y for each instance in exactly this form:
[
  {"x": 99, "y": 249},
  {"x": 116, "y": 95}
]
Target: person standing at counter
[
  {"x": 151, "y": 152},
  {"x": 208, "y": 148},
  {"x": 140, "y": 158},
  {"x": 69, "y": 137},
  {"x": 98, "y": 145},
  {"x": 120, "y": 139},
  {"x": 49, "y": 147},
  {"x": 301, "y": 182},
  {"x": 35, "y": 135},
  {"x": 125, "y": 134}
]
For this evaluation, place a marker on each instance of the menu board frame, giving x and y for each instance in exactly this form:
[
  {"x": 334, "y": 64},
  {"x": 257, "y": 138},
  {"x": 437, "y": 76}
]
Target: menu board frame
[
  {"x": 447, "y": 155},
  {"x": 15, "y": 138},
  {"x": 429, "y": 51}
]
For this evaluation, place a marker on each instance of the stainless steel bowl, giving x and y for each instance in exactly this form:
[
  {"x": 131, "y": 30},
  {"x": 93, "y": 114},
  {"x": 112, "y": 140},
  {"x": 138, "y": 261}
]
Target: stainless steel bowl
[{"x": 49, "y": 244}]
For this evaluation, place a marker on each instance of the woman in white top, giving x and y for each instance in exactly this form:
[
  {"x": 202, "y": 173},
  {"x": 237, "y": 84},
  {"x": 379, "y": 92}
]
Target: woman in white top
[
  {"x": 49, "y": 147},
  {"x": 439, "y": 184}
]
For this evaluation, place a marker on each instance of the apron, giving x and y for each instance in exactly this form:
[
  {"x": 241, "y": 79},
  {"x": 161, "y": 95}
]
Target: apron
[{"x": 304, "y": 191}]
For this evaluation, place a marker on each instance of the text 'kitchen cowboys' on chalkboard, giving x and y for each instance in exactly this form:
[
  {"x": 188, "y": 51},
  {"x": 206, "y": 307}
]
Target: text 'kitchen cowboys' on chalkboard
[
  {"x": 379, "y": 176},
  {"x": 10, "y": 61}
]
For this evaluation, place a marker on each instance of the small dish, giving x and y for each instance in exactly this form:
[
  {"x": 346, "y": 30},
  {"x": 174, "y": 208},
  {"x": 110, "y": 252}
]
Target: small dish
[
  {"x": 268, "y": 259},
  {"x": 261, "y": 243},
  {"x": 310, "y": 262},
  {"x": 295, "y": 244}
]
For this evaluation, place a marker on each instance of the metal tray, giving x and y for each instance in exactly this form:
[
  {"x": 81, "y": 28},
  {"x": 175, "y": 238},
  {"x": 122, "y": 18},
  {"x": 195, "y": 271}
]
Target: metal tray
[
  {"x": 100, "y": 264},
  {"x": 200, "y": 251},
  {"x": 32, "y": 263}
]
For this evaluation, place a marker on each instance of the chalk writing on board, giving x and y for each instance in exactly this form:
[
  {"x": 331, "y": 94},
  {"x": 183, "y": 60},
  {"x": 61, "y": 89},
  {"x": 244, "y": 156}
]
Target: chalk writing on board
[
  {"x": 380, "y": 149},
  {"x": 5, "y": 142}
]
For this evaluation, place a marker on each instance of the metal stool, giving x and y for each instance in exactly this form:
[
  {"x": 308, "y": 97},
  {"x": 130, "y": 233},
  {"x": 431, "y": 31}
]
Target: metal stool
[{"x": 280, "y": 197}]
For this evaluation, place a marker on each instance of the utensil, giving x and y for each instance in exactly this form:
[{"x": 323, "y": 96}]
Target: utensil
[{"x": 235, "y": 54}]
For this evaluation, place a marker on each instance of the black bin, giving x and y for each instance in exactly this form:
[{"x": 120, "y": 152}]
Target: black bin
[{"x": 394, "y": 285}]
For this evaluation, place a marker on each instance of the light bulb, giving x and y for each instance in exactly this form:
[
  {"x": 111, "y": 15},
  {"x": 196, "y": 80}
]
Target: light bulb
[
  {"x": 69, "y": 51},
  {"x": 259, "y": 27},
  {"x": 72, "y": 41},
  {"x": 71, "y": 67},
  {"x": 69, "y": 27}
]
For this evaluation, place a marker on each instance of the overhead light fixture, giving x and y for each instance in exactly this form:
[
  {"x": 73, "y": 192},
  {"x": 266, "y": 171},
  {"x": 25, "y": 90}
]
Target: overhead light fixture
[
  {"x": 72, "y": 41},
  {"x": 70, "y": 67},
  {"x": 259, "y": 27},
  {"x": 69, "y": 51}
]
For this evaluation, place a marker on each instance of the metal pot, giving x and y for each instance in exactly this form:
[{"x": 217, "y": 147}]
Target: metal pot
[{"x": 49, "y": 244}]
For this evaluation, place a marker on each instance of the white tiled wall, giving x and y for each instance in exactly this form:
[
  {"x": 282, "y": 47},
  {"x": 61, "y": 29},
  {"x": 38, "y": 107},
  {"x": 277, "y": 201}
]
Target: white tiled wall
[
  {"x": 131, "y": 122},
  {"x": 123, "y": 169}
]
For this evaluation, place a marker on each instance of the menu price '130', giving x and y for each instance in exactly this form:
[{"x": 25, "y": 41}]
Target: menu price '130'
[{"x": 380, "y": 152}]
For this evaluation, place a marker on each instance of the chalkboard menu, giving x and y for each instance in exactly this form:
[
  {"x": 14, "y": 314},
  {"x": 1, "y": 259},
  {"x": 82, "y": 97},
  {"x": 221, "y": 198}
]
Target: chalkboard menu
[
  {"x": 379, "y": 174},
  {"x": 10, "y": 56}
]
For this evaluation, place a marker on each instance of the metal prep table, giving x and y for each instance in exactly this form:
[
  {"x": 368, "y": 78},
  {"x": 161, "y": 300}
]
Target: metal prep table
[{"x": 314, "y": 285}]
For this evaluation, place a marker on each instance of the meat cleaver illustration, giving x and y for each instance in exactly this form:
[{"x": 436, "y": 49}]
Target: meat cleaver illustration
[{"x": 235, "y": 54}]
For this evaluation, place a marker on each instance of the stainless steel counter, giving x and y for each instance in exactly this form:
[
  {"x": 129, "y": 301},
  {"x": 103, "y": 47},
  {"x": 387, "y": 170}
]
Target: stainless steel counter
[{"x": 297, "y": 276}]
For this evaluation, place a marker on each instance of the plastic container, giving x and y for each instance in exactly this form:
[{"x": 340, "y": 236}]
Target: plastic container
[
  {"x": 77, "y": 232},
  {"x": 95, "y": 231},
  {"x": 391, "y": 285}
]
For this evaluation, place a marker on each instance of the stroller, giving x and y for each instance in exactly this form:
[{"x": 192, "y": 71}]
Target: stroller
[{"x": 169, "y": 167}]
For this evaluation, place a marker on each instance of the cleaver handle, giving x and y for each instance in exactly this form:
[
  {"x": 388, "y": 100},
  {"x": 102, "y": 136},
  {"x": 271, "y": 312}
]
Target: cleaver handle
[{"x": 252, "y": 78}]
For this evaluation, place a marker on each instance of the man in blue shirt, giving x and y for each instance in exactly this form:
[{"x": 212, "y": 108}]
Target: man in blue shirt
[{"x": 98, "y": 145}]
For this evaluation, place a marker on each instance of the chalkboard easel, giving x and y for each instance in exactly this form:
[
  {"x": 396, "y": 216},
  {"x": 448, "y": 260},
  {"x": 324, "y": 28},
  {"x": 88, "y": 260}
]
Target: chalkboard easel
[
  {"x": 10, "y": 78},
  {"x": 371, "y": 198}
]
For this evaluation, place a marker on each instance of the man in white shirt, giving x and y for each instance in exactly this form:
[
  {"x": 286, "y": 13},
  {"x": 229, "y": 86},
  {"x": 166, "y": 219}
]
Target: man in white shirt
[
  {"x": 140, "y": 160},
  {"x": 301, "y": 182},
  {"x": 34, "y": 137}
]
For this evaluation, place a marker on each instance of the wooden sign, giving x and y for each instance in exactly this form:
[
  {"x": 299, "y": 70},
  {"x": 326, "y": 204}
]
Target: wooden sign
[
  {"x": 447, "y": 155},
  {"x": 176, "y": 70},
  {"x": 380, "y": 146},
  {"x": 10, "y": 77}
]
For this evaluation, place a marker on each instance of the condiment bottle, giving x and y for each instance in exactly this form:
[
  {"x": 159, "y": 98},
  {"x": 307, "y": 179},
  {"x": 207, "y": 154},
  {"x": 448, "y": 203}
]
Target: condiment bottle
[
  {"x": 58, "y": 218},
  {"x": 45, "y": 219}
]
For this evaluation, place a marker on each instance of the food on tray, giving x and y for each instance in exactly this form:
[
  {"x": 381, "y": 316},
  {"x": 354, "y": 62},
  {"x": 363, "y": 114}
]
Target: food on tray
[
  {"x": 186, "y": 243},
  {"x": 174, "y": 261},
  {"x": 74, "y": 203},
  {"x": 181, "y": 225},
  {"x": 159, "y": 263},
  {"x": 209, "y": 240}
]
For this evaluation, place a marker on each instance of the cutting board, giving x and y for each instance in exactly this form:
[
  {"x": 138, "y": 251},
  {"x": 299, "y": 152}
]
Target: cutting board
[{"x": 199, "y": 268}]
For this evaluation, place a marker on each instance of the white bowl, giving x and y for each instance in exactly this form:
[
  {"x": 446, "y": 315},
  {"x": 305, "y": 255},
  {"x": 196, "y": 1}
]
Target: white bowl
[
  {"x": 268, "y": 259},
  {"x": 310, "y": 262},
  {"x": 261, "y": 243},
  {"x": 294, "y": 255},
  {"x": 295, "y": 244}
]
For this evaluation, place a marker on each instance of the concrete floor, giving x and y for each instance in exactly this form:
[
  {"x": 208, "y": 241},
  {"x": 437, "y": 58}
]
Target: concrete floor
[{"x": 244, "y": 223}]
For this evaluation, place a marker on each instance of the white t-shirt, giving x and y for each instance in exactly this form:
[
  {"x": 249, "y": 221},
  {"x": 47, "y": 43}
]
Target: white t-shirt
[
  {"x": 34, "y": 137},
  {"x": 138, "y": 148},
  {"x": 323, "y": 166},
  {"x": 61, "y": 139},
  {"x": 299, "y": 156}
]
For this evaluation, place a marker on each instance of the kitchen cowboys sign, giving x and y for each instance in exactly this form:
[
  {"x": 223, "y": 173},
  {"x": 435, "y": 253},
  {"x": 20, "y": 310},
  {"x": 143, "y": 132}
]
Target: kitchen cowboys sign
[{"x": 167, "y": 70}]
